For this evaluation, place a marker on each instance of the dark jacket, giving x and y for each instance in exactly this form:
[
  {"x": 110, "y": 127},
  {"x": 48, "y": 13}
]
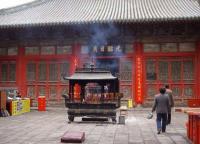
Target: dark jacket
[
  {"x": 161, "y": 103},
  {"x": 171, "y": 100}
]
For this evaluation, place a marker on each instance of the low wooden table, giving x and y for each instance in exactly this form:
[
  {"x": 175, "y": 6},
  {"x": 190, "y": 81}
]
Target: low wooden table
[
  {"x": 188, "y": 110},
  {"x": 193, "y": 124}
]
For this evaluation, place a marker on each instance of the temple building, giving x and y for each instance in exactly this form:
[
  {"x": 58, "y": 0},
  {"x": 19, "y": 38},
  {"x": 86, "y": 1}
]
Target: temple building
[{"x": 145, "y": 43}]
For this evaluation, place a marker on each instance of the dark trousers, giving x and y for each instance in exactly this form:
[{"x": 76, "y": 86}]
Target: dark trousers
[
  {"x": 169, "y": 118},
  {"x": 161, "y": 121}
]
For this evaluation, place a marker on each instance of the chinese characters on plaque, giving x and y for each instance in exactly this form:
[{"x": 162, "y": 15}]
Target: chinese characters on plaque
[
  {"x": 111, "y": 49},
  {"x": 106, "y": 49}
]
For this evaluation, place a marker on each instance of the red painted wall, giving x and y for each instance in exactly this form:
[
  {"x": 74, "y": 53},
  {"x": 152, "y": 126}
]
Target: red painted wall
[
  {"x": 21, "y": 72},
  {"x": 198, "y": 69},
  {"x": 138, "y": 85}
]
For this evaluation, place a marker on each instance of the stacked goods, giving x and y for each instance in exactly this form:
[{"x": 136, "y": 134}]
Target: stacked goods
[{"x": 93, "y": 98}]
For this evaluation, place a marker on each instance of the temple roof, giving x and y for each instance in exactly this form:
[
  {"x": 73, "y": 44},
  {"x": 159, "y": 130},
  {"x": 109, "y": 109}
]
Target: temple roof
[
  {"x": 89, "y": 74},
  {"x": 57, "y": 12}
]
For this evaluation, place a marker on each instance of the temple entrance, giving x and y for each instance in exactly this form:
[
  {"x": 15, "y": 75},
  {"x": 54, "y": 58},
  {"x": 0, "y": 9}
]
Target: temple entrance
[{"x": 110, "y": 64}]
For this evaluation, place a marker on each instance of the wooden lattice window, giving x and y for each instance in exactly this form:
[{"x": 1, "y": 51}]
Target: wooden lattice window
[
  {"x": 150, "y": 70},
  {"x": 12, "y": 51},
  {"x": 3, "y": 51},
  {"x": 31, "y": 91},
  {"x": 65, "y": 90},
  {"x": 64, "y": 49},
  {"x": 42, "y": 72},
  {"x": 188, "y": 70},
  {"x": 169, "y": 47},
  {"x": 4, "y": 72},
  {"x": 53, "y": 74},
  {"x": 9, "y": 51},
  {"x": 187, "y": 47},
  {"x": 176, "y": 91},
  {"x": 8, "y": 71},
  {"x": 42, "y": 91},
  {"x": 52, "y": 92},
  {"x": 151, "y": 48},
  {"x": 128, "y": 48},
  {"x": 32, "y": 50},
  {"x": 64, "y": 70},
  {"x": 31, "y": 72},
  {"x": 188, "y": 91},
  {"x": 163, "y": 70},
  {"x": 12, "y": 72},
  {"x": 127, "y": 91},
  {"x": 176, "y": 70},
  {"x": 151, "y": 91},
  {"x": 126, "y": 71},
  {"x": 48, "y": 50}
]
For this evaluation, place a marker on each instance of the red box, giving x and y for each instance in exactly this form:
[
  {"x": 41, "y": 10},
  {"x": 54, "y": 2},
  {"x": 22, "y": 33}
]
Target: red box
[{"x": 41, "y": 103}]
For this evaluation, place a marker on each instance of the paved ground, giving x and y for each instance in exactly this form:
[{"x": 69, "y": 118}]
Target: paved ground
[{"x": 48, "y": 127}]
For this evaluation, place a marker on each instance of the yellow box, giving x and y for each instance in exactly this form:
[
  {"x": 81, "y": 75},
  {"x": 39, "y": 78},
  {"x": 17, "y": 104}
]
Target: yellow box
[
  {"x": 130, "y": 103},
  {"x": 20, "y": 106}
]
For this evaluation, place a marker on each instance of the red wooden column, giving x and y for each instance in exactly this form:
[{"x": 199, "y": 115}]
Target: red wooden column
[
  {"x": 198, "y": 70},
  {"x": 139, "y": 99},
  {"x": 21, "y": 72},
  {"x": 75, "y": 59}
]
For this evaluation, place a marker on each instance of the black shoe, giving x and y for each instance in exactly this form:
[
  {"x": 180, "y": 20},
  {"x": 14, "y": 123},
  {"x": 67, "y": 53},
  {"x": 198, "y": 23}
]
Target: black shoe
[
  {"x": 168, "y": 122},
  {"x": 158, "y": 132}
]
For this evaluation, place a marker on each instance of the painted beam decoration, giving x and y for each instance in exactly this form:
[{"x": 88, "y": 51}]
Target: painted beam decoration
[{"x": 138, "y": 79}]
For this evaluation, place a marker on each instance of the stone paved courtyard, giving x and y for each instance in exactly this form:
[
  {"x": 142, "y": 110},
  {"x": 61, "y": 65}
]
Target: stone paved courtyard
[{"x": 48, "y": 127}]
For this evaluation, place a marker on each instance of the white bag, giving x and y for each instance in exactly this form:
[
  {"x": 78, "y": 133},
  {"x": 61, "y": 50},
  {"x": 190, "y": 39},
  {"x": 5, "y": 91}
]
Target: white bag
[{"x": 150, "y": 115}]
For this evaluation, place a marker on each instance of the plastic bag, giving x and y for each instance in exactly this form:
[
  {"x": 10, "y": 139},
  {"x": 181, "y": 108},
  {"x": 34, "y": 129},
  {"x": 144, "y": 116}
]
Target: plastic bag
[{"x": 150, "y": 115}]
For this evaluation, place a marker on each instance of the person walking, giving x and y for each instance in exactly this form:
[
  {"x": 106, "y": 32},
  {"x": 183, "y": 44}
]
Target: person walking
[
  {"x": 171, "y": 102},
  {"x": 161, "y": 106}
]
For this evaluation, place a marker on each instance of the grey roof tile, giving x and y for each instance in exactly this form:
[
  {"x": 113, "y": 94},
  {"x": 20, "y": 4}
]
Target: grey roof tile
[{"x": 96, "y": 11}]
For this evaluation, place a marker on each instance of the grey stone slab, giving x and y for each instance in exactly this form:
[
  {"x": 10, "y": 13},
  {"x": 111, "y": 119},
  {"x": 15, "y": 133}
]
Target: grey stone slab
[
  {"x": 90, "y": 142},
  {"x": 48, "y": 127},
  {"x": 135, "y": 141},
  {"x": 151, "y": 142},
  {"x": 165, "y": 140}
]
